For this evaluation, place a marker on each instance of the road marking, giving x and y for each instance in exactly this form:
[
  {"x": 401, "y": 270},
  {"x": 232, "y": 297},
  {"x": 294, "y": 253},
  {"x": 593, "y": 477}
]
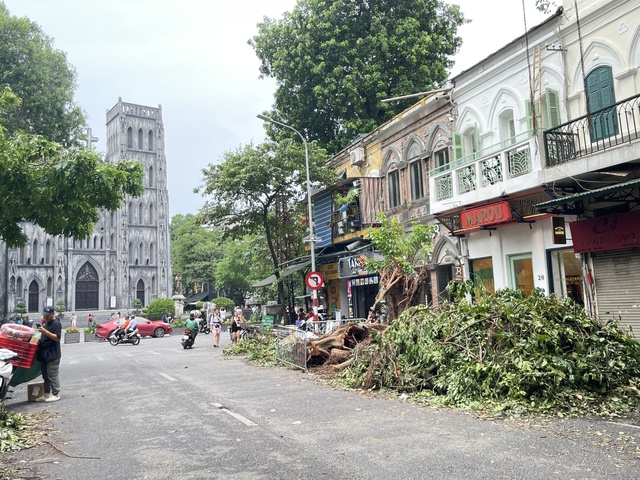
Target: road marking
[
  {"x": 153, "y": 353},
  {"x": 624, "y": 424},
  {"x": 168, "y": 377},
  {"x": 237, "y": 416}
]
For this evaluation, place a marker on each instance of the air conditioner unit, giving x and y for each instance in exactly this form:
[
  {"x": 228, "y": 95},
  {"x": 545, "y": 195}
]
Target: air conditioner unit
[{"x": 357, "y": 156}]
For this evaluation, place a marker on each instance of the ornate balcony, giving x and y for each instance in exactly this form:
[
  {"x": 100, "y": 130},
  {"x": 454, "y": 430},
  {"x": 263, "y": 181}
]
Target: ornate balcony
[
  {"x": 598, "y": 131},
  {"x": 493, "y": 165}
]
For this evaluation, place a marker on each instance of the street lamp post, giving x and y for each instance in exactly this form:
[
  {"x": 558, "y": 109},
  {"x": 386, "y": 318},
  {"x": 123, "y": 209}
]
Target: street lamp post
[{"x": 312, "y": 237}]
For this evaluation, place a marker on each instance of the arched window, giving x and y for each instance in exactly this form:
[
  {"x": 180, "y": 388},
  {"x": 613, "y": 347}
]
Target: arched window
[
  {"x": 140, "y": 291},
  {"x": 600, "y": 95},
  {"x": 34, "y": 297},
  {"x": 113, "y": 219},
  {"x": 131, "y": 214},
  {"x": 95, "y": 243},
  {"x": 152, "y": 253},
  {"x": 415, "y": 172},
  {"x": 19, "y": 288},
  {"x": 34, "y": 253},
  {"x": 150, "y": 142},
  {"x": 49, "y": 287},
  {"x": 507, "y": 127},
  {"x": 12, "y": 284},
  {"x": 129, "y": 137},
  {"x": 131, "y": 253},
  {"x": 140, "y": 140},
  {"x": 151, "y": 179},
  {"x": 140, "y": 252},
  {"x": 151, "y": 215},
  {"x": 47, "y": 252},
  {"x": 87, "y": 288},
  {"x": 23, "y": 255},
  {"x": 393, "y": 179},
  {"x": 141, "y": 213},
  {"x": 112, "y": 242},
  {"x": 101, "y": 242}
]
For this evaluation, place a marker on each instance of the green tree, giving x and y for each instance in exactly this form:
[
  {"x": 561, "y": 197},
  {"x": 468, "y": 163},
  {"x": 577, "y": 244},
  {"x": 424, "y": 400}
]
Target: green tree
[
  {"x": 258, "y": 189},
  {"x": 400, "y": 279},
  {"x": 195, "y": 251},
  {"x": 59, "y": 189},
  {"x": 334, "y": 61},
  {"x": 41, "y": 76},
  {"x": 233, "y": 272}
]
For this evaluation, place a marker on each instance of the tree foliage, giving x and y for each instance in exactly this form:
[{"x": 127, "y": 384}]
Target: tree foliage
[
  {"x": 61, "y": 190},
  {"x": 41, "y": 76},
  {"x": 157, "y": 307},
  {"x": 233, "y": 272},
  {"x": 505, "y": 351},
  {"x": 259, "y": 190},
  {"x": 195, "y": 251},
  {"x": 400, "y": 279},
  {"x": 334, "y": 60}
]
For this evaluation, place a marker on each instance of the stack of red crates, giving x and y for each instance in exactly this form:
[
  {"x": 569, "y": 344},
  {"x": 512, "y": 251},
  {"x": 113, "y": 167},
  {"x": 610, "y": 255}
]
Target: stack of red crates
[{"x": 25, "y": 350}]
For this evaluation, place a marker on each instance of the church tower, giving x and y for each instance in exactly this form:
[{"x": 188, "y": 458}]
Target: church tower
[
  {"x": 141, "y": 268},
  {"x": 127, "y": 257}
]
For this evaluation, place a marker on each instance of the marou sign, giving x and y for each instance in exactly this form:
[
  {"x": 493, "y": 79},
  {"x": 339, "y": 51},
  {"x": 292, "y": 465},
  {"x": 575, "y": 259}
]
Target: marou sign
[{"x": 487, "y": 215}]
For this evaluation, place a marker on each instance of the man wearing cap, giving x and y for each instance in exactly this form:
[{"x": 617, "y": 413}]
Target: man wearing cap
[{"x": 49, "y": 355}]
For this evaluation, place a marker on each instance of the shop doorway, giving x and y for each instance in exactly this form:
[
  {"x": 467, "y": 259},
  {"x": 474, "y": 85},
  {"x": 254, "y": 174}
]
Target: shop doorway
[
  {"x": 521, "y": 272},
  {"x": 445, "y": 274},
  {"x": 566, "y": 278}
]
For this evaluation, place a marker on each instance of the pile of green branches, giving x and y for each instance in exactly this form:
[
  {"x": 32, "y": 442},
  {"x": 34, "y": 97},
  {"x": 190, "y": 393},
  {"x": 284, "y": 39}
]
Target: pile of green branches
[
  {"x": 260, "y": 351},
  {"x": 504, "y": 352}
]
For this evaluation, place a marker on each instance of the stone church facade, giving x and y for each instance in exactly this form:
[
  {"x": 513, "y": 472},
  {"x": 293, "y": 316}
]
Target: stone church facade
[{"x": 128, "y": 254}]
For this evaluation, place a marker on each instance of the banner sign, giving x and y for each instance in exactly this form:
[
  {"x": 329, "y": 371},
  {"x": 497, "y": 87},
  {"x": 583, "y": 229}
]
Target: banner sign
[
  {"x": 487, "y": 215},
  {"x": 612, "y": 232}
]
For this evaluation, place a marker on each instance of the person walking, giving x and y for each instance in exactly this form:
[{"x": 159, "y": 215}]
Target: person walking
[
  {"x": 235, "y": 327},
  {"x": 49, "y": 354},
  {"x": 216, "y": 327}
]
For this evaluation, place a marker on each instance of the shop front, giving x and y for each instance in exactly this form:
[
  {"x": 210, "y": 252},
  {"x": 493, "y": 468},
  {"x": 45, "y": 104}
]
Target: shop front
[
  {"x": 360, "y": 286},
  {"x": 610, "y": 246}
]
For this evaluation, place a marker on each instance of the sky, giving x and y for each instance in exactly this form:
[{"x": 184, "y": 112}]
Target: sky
[{"x": 192, "y": 57}]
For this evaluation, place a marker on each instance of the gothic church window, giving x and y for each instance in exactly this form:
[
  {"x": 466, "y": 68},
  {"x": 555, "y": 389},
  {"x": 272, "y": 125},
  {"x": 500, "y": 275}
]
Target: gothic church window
[
  {"x": 47, "y": 253},
  {"x": 34, "y": 253},
  {"x": 131, "y": 214},
  {"x": 150, "y": 143},
  {"x": 140, "y": 140},
  {"x": 19, "y": 291},
  {"x": 49, "y": 287},
  {"x": 87, "y": 288},
  {"x": 129, "y": 137},
  {"x": 151, "y": 179},
  {"x": 151, "y": 214},
  {"x": 141, "y": 214},
  {"x": 34, "y": 297}
]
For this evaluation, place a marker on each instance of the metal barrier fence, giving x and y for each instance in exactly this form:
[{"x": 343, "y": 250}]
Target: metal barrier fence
[{"x": 292, "y": 341}]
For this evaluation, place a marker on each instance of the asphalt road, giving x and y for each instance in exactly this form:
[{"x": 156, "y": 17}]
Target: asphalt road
[{"x": 156, "y": 411}]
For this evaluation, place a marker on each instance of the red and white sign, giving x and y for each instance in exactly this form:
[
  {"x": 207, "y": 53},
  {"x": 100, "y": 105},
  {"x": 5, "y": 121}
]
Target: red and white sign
[
  {"x": 612, "y": 232},
  {"x": 314, "y": 280},
  {"x": 487, "y": 215}
]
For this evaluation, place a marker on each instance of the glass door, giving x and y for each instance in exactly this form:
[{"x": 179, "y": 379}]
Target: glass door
[{"x": 521, "y": 270}]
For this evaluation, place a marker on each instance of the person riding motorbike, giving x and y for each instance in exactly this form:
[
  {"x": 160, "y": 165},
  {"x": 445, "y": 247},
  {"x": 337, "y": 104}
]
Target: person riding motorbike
[
  {"x": 192, "y": 325},
  {"x": 121, "y": 330},
  {"x": 132, "y": 327}
]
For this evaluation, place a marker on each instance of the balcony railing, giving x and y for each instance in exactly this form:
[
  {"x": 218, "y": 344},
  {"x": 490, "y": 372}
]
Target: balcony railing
[
  {"x": 508, "y": 159},
  {"x": 605, "y": 128}
]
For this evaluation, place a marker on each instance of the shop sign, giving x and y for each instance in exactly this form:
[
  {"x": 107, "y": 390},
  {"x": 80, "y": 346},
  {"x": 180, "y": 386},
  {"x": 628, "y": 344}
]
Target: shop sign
[
  {"x": 354, "y": 266},
  {"x": 330, "y": 271},
  {"x": 487, "y": 215},
  {"x": 611, "y": 232},
  {"x": 559, "y": 231}
]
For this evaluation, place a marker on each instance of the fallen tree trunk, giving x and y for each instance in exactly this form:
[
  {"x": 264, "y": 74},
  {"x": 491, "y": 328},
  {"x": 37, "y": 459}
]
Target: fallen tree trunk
[{"x": 341, "y": 341}]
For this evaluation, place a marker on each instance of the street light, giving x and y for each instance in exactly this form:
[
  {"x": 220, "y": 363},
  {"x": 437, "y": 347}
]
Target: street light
[{"x": 312, "y": 238}]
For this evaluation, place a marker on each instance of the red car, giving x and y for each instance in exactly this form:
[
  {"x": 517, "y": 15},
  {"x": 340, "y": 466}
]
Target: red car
[{"x": 147, "y": 328}]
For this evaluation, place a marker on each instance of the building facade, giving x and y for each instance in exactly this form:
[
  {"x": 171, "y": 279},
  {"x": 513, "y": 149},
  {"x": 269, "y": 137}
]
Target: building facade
[{"x": 128, "y": 255}]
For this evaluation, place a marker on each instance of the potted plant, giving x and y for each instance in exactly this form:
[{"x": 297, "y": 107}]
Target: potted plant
[
  {"x": 89, "y": 332},
  {"x": 21, "y": 308},
  {"x": 72, "y": 335}
]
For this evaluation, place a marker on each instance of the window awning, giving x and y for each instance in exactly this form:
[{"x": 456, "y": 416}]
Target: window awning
[
  {"x": 283, "y": 273},
  {"x": 549, "y": 205}
]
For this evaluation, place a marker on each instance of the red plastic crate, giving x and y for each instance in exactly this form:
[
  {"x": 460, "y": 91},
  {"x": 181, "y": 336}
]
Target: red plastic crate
[{"x": 25, "y": 350}]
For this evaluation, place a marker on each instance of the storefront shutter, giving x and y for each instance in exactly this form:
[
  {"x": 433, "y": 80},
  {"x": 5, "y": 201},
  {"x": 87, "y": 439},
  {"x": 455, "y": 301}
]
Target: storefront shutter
[{"x": 617, "y": 288}]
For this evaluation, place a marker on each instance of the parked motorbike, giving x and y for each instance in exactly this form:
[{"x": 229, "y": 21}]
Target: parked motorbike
[
  {"x": 117, "y": 337},
  {"x": 204, "y": 326},
  {"x": 188, "y": 339},
  {"x": 6, "y": 370}
]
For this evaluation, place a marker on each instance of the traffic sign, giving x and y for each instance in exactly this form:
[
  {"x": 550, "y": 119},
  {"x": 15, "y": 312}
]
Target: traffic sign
[{"x": 314, "y": 280}]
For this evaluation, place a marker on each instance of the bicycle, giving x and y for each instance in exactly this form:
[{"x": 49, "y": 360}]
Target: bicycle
[{"x": 250, "y": 331}]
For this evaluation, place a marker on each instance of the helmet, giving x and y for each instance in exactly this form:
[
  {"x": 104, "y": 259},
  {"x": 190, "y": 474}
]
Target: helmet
[
  {"x": 191, "y": 315},
  {"x": 197, "y": 313}
]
